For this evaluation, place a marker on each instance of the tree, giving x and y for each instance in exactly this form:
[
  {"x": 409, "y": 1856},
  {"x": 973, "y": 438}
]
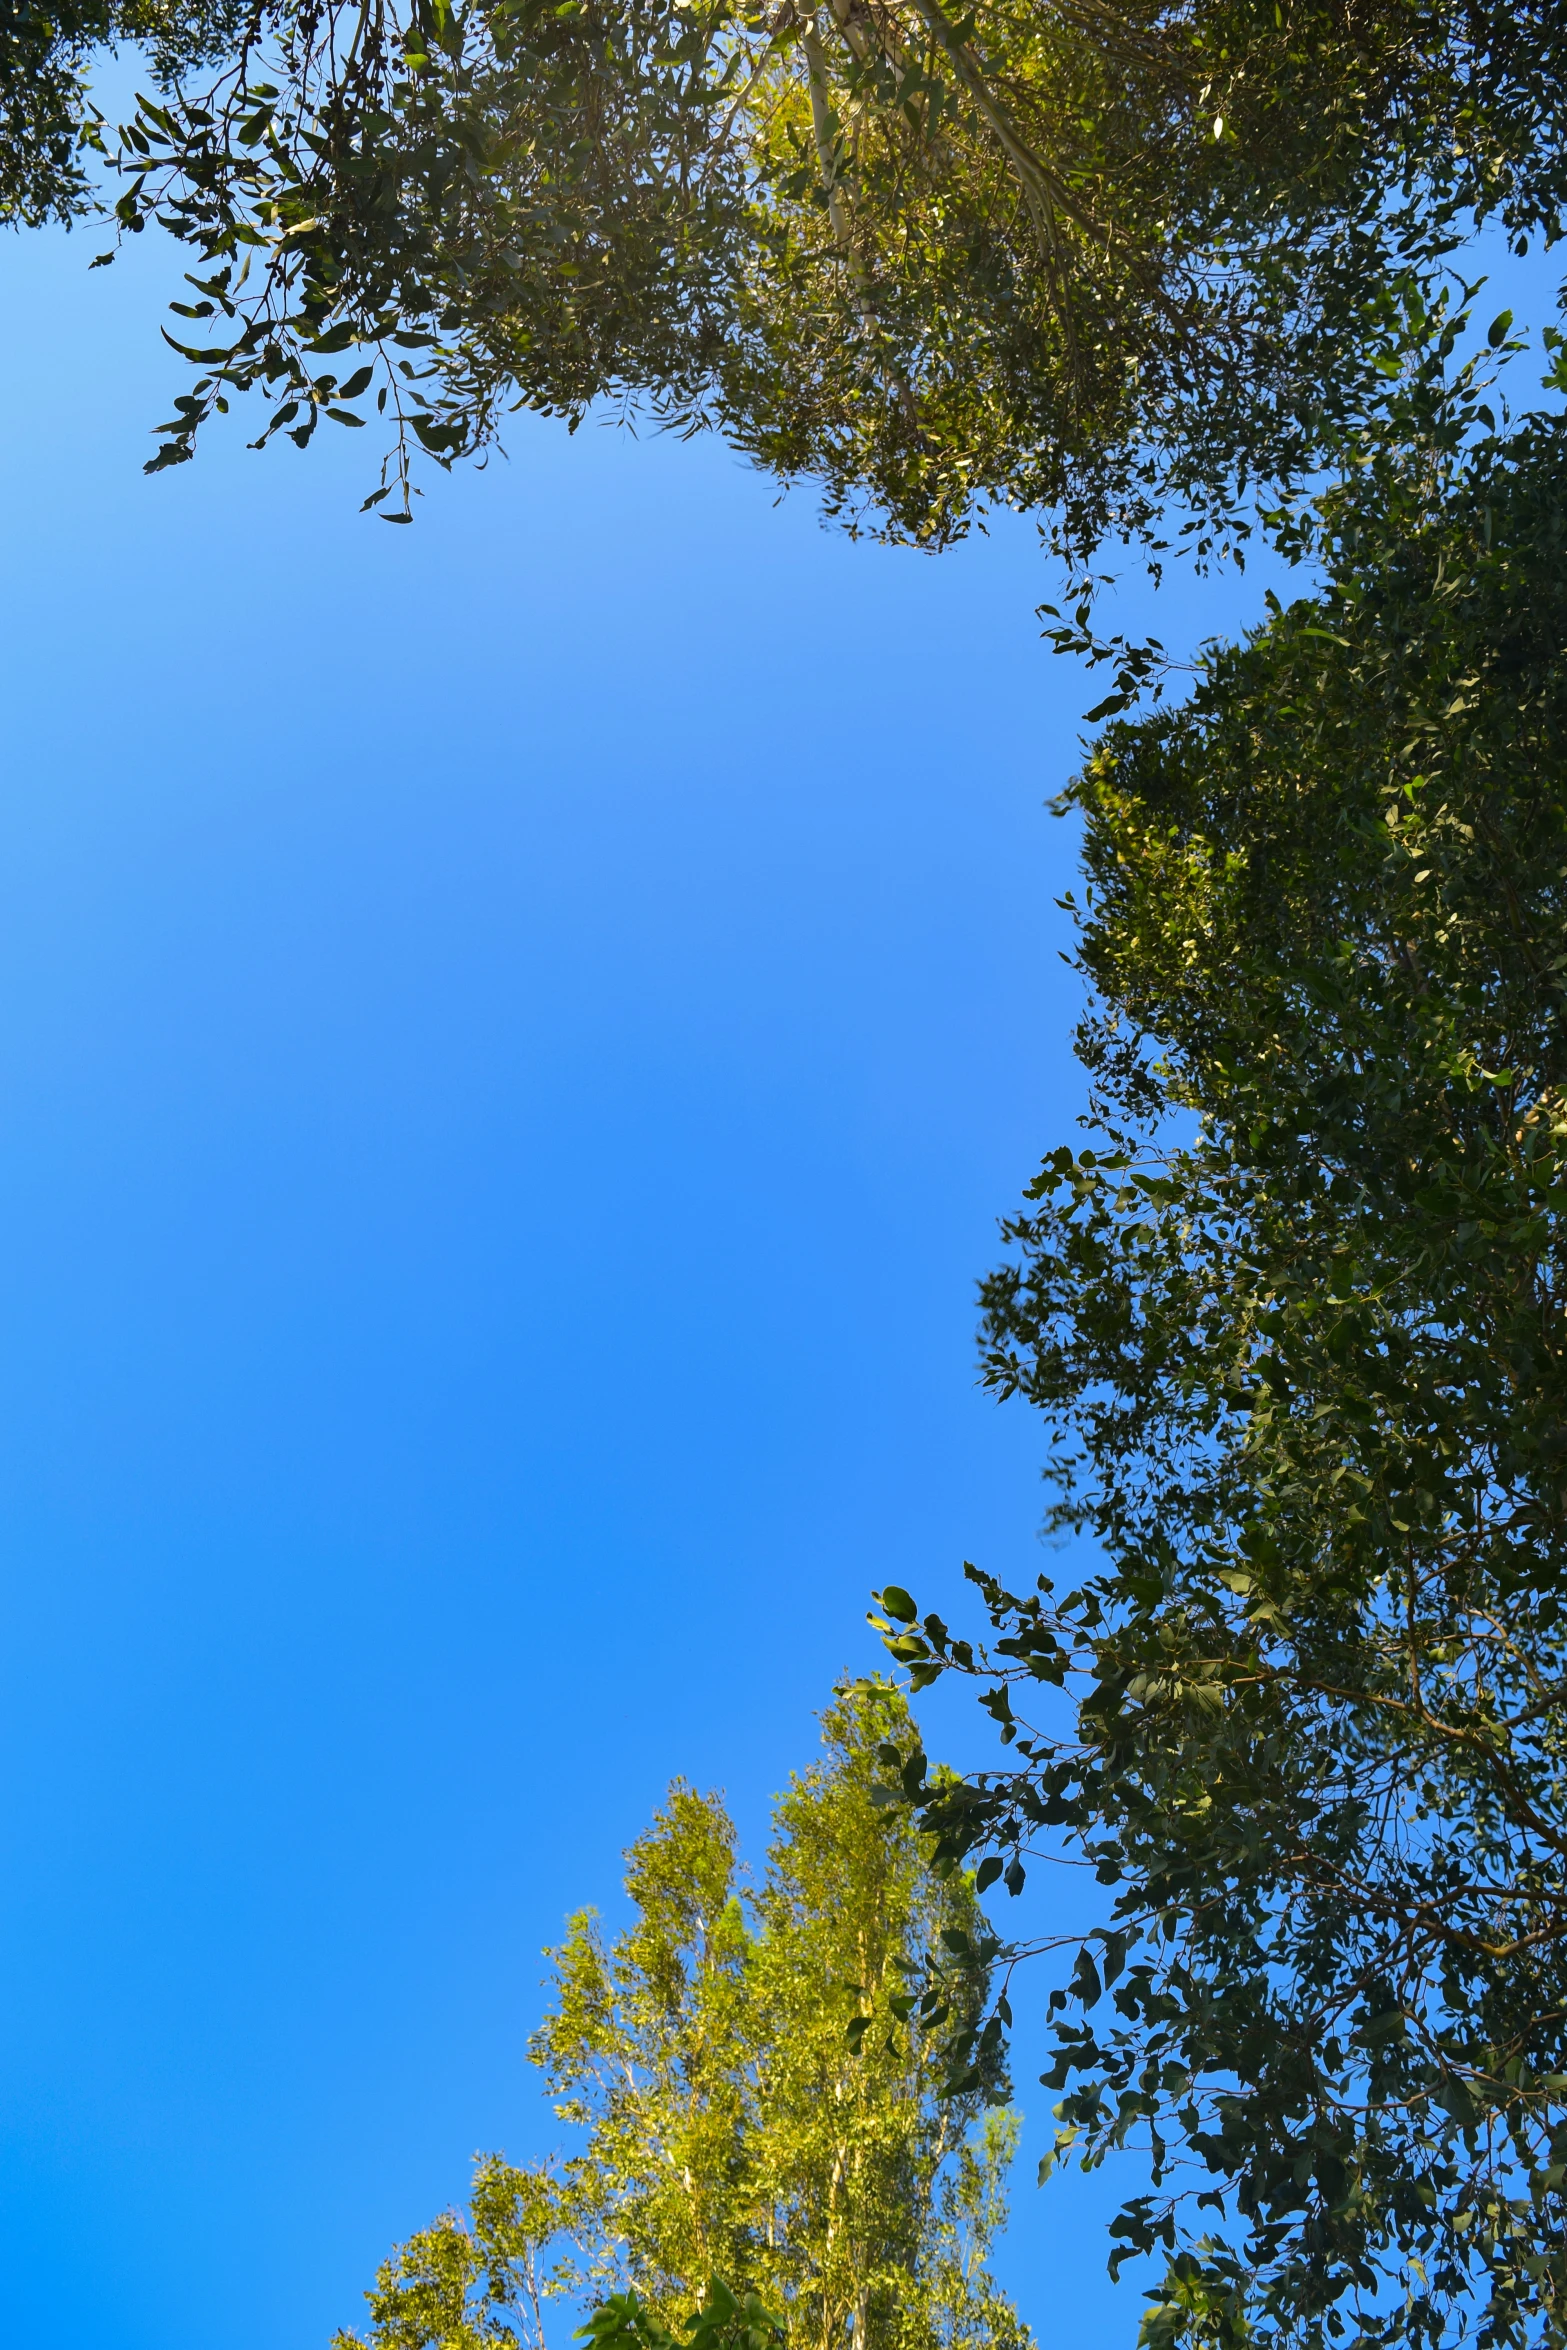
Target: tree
[
  {"x": 1104, "y": 262},
  {"x": 1297, "y": 1319},
  {"x": 741, "y": 2120}
]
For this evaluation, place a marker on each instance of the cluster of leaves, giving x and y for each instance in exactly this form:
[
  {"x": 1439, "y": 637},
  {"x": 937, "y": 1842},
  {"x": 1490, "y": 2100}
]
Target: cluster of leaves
[
  {"x": 460, "y": 211},
  {"x": 1298, "y": 1316},
  {"x": 724, "y": 2322},
  {"x": 49, "y": 128},
  {"x": 741, "y": 2116},
  {"x": 1103, "y": 259}
]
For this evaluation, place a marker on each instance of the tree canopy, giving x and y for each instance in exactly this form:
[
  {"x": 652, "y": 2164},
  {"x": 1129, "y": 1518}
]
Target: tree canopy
[
  {"x": 1108, "y": 260},
  {"x": 1298, "y": 1316},
  {"x": 741, "y": 2118}
]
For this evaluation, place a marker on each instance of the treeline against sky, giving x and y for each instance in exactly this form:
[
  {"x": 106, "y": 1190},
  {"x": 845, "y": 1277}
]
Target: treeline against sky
[{"x": 1173, "y": 278}]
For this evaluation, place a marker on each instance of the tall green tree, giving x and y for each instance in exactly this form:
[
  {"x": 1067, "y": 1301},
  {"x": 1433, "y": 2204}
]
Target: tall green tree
[
  {"x": 1298, "y": 1318},
  {"x": 740, "y": 2118}
]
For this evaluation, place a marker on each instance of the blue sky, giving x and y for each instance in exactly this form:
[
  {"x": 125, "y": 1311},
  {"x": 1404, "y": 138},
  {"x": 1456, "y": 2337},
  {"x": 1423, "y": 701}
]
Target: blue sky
[{"x": 514, "y": 1036}]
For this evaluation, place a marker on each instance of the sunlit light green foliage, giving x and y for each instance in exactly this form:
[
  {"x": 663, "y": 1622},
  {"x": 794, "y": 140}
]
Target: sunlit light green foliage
[{"x": 734, "y": 2123}]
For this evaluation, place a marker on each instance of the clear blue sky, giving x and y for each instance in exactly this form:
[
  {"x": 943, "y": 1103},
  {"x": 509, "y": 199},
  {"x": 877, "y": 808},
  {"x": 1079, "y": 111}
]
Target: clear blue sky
[{"x": 514, "y": 1036}]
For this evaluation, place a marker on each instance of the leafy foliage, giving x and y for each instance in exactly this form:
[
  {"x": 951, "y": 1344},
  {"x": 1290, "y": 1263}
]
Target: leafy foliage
[
  {"x": 49, "y": 127},
  {"x": 450, "y": 212},
  {"x": 1298, "y": 1317},
  {"x": 1088, "y": 257},
  {"x": 722, "y": 2323},
  {"x": 742, "y": 2119}
]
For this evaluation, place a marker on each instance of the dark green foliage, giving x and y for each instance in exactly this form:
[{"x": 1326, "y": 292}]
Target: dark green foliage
[
  {"x": 1299, "y": 1319},
  {"x": 465, "y": 214},
  {"x": 49, "y": 127},
  {"x": 1102, "y": 262},
  {"x": 45, "y": 118}
]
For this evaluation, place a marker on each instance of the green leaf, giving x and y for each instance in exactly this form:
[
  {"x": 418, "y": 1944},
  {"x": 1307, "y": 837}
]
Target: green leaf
[{"x": 1086, "y": 1984}]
